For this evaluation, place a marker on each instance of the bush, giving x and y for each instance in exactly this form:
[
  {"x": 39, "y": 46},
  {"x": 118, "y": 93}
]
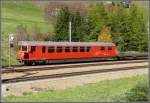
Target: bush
[{"x": 138, "y": 93}]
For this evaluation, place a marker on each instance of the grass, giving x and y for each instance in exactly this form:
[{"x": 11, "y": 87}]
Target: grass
[
  {"x": 108, "y": 90},
  {"x": 24, "y": 13}
]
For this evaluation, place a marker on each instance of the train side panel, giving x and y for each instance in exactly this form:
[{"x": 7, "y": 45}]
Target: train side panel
[
  {"x": 94, "y": 52},
  {"x": 35, "y": 53}
]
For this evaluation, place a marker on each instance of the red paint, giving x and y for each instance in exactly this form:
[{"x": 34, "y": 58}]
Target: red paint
[{"x": 38, "y": 55}]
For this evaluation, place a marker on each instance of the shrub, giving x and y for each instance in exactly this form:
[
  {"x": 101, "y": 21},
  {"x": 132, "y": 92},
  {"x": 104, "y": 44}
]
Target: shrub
[{"x": 138, "y": 93}]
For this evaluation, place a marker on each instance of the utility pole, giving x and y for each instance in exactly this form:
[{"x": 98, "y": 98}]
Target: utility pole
[
  {"x": 70, "y": 31},
  {"x": 9, "y": 50},
  {"x": 10, "y": 45},
  {"x": 148, "y": 33}
]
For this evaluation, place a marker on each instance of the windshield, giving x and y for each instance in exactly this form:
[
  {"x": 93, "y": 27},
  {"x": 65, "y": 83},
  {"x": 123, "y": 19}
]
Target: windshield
[{"x": 24, "y": 48}]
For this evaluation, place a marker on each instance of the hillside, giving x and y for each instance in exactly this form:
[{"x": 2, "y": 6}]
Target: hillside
[{"x": 14, "y": 14}]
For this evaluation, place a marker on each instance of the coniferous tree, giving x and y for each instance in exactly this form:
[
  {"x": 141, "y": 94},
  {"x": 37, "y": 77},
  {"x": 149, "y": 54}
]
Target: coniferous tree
[
  {"x": 138, "y": 29},
  {"x": 62, "y": 25},
  {"x": 76, "y": 20},
  {"x": 99, "y": 18},
  {"x": 119, "y": 27},
  {"x": 79, "y": 26}
]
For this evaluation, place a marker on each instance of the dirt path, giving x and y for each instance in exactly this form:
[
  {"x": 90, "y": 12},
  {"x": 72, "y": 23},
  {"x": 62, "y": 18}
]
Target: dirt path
[{"x": 67, "y": 82}]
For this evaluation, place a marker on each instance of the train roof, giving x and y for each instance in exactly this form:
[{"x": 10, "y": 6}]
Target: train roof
[{"x": 50, "y": 43}]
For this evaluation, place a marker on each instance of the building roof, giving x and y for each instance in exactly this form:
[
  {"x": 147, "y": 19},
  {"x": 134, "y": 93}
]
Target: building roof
[{"x": 50, "y": 43}]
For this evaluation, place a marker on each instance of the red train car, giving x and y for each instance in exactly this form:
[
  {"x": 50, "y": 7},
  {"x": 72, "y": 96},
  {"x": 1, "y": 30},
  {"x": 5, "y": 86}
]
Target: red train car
[{"x": 32, "y": 52}]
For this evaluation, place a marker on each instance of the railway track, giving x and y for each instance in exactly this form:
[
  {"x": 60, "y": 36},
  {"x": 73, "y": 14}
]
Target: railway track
[
  {"x": 123, "y": 58},
  {"x": 61, "y": 75},
  {"x": 61, "y": 66}
]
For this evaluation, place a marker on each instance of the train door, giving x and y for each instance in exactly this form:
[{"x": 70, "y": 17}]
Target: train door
[
  {"x": 32, "y": 52},
  {"x": 43, "y": 52},
  {"x": 109, "y": 50}
]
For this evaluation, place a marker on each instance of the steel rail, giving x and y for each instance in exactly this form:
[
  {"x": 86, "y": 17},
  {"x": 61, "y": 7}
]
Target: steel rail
[
  {"x": 54, "y": 67},
  {"x": 62, "y": 75}
]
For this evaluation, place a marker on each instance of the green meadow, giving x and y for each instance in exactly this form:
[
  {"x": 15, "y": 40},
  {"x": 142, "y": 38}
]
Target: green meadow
[
  {"x": 24, "y": 13},
  {"x": 108, "y": 90}
]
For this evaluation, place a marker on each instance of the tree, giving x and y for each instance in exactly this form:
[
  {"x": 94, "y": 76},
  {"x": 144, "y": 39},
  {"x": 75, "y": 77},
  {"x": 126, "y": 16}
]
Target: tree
[
  {"x": 78, "y": 30},
  {"x": 47, "y": 36},
  {"x": 20, "y": 35},
  {"x": 118, "y": 21},
  {"x": 130, "y": 26},
  {"x": 61, "y": 26},
  {"x": 80, "y": 25},
  {"x": 105, "y": 35},
  {"x": 99, "y": 18},
  {"x": 138, "y": 29}
]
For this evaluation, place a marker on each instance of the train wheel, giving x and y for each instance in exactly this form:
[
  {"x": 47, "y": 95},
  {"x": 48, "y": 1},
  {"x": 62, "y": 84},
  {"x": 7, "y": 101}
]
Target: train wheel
[
  {"x": 118, "y": 58},
  {"x": 134, "y": 57},
  {"x": 44, "y": 62},
  {"x": 115, "y": 58},
  {"x": 34, "y": 63},
  {"x": 27, "y": 63}
]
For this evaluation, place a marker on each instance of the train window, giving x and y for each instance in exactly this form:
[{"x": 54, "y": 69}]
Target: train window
[
  {"x": 43, "y": 49},
  {"x": 50, "y": 49},
  {"x": 88, "y": 49},
  {"x": 67, "y": 49},
  {"x": 32, "y": 49},
  {"x": 75, "y": 49},
  {"x": 109, "y": 48},
  {"x": 102, "y": 48},
  {"x": 59, "y": 49},
  {"x": 82, "y": 49},
  {"x": 24, "y": 48}
]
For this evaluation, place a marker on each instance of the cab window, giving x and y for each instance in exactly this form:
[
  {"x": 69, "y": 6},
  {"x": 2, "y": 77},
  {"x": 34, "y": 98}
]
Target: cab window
[{"x": 24, "y": 48}]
